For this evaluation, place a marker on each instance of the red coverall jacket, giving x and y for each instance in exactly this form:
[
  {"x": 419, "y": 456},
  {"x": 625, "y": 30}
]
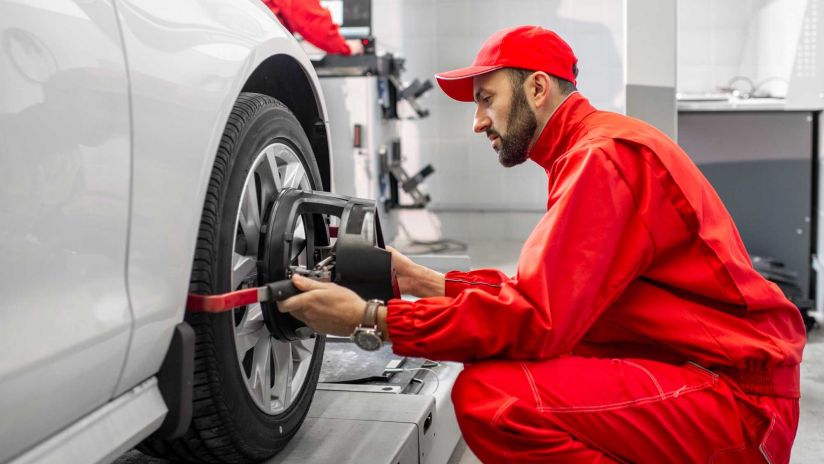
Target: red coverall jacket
[
  {"x": 312, "y": 21},
  {"x": 635, "y": 257}
]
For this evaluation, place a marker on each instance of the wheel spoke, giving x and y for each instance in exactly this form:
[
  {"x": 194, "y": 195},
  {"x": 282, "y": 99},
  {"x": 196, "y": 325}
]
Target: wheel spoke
[
  {"x": 267, "y": 171},
  {"x": 294, "y": 174},
  {"x": 298, "y": 241},
  {"x": 282, "y": 391},
  {"x": 261, "y": 378},
  {"x": 250, "y": 217},
  {"x": 242, "y": 268},
  {"x": 250, "y": 330},
  {"x": 302, "y": 351}
]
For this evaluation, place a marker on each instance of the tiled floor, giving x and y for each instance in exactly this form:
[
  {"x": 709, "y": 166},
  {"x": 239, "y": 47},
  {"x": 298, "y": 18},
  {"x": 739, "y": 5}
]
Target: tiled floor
[{"x": 809, "y": 443}]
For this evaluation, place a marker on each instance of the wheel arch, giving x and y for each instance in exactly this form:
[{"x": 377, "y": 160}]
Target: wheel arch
[{"x": 283, "y": 77}]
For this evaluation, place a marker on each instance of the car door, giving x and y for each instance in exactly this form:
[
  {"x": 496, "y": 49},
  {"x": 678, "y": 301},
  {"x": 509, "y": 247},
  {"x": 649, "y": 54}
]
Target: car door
[{"x": 64, "y": 212}]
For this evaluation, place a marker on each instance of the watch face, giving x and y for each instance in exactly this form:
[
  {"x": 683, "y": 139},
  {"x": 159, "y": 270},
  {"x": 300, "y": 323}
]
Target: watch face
[{"x": 367, "y": 340}]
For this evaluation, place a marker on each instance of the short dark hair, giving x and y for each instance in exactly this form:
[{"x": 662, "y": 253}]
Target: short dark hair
[{"x": 517, "y": 77}]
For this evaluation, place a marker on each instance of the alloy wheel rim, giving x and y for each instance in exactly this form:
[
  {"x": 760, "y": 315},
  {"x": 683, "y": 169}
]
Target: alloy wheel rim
[{"x": 273, "y": 371}]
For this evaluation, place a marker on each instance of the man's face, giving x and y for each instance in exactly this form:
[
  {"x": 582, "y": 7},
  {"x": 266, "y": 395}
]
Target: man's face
[{"x": 504, "y": 115}]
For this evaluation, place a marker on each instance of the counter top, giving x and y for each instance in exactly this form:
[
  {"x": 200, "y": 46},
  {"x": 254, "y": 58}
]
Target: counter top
[
  {"x": 733, "y": 104},
  {"x": 738, "y": 104}
]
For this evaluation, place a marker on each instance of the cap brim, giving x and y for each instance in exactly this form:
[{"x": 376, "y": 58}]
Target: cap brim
[{"x": 457, "y": 84}]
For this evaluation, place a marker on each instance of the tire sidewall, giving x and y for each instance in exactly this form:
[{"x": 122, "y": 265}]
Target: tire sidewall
[{"x": 271, "y": 123}]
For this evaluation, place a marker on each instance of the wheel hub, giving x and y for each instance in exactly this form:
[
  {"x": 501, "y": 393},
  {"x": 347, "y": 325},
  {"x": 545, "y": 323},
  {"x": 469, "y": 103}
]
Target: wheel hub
[
  {"x": 357, "y": 260},
  {"x": 283, "y": 247}
]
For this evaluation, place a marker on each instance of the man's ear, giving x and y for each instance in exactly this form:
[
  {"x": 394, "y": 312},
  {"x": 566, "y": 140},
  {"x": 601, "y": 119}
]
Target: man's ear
[{"x": 539, "y": 88}]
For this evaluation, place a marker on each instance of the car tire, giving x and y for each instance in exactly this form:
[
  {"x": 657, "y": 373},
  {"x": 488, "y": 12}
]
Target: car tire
[{"x": 231, "y": 422}]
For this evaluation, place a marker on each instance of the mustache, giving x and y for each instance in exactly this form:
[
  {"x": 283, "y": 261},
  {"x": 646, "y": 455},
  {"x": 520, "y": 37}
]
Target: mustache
[{"x": 490, "y": 132}]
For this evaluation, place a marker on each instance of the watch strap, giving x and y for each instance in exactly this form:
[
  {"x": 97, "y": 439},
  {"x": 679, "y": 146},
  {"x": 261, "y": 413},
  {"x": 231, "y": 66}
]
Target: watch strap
[{"x": 370, "y": 315}]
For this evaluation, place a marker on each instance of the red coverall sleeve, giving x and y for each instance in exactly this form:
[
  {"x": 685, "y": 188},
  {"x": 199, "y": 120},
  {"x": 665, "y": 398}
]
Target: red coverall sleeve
[
  {"x": 591, "y": 243},
  {"x": 489, "y": 280},
  {"x": 314, "y": 22}
]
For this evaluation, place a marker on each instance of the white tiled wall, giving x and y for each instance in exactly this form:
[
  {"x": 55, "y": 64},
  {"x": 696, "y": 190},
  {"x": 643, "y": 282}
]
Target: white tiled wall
[
  {"x": 721, "y": 39},
  {"x": 439, "y": 35}
]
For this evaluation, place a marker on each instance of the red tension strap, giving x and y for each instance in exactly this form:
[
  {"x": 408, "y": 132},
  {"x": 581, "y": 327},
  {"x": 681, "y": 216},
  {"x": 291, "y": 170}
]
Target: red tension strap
[{"x": 221, "y": 303}]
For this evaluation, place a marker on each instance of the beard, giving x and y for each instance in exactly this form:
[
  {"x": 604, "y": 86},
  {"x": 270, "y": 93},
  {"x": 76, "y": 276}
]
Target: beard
[{"x": 521, "y": 127}]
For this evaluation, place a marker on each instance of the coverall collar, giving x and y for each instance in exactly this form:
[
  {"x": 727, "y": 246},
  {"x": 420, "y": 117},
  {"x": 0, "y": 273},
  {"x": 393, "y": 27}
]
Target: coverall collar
[{"x": 557, "y": 135}]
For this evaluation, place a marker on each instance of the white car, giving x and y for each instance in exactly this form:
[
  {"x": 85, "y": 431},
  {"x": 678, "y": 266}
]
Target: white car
[{"x": 141, "y": 143}]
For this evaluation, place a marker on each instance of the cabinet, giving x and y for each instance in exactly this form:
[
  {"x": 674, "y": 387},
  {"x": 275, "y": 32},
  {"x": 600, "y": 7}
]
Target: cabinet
[{"x": 763, "y": 166}]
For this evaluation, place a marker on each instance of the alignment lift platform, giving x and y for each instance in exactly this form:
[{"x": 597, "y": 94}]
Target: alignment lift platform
[
  {"x": 379, "y": 407},
  {"x": 407, "y": 418}
]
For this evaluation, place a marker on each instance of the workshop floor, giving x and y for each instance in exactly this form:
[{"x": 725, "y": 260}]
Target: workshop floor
[{"x": 809, "y": 442}]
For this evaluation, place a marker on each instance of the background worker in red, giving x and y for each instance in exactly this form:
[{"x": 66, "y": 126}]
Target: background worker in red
[
  {"x": 314, "y": 23},
  {"x": 636, "y": 329}
]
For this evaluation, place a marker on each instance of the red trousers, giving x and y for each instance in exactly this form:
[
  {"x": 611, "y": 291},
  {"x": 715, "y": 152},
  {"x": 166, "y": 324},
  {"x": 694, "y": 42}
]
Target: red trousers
[{"x": 573, "y": 410}]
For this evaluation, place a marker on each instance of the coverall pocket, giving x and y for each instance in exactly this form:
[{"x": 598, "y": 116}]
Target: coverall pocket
[
  {"x": 770, "y": 423},
  {"x": 777, "y": 441},
  {"x": 774, "y": 447}
]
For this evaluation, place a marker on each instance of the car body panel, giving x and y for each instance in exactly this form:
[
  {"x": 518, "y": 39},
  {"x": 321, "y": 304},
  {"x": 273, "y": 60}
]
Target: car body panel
[
  {"x": 111, "y": 112},
  {"x": 106, "y": 433},
  {"x": 64, "y": 205},
  {"x": 179, "y": 114}
]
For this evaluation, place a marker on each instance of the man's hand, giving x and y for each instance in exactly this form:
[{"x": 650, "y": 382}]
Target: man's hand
[
  {"x": 325, "y": 307},
  {"x": 331, "y": 309},
  {"x": 414, "y": 279},
  {"x": 355, "y": 47}
]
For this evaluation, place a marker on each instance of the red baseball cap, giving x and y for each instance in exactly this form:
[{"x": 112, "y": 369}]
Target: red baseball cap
[{"x": 526, "y": 47}]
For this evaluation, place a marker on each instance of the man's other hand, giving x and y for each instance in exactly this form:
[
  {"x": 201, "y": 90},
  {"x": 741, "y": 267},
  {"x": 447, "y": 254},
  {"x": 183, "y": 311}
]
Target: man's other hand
[
  {"x": 414, "y": 279},
  {"x": 355, "y": 47},
  {"x": 325, "y": 307}
]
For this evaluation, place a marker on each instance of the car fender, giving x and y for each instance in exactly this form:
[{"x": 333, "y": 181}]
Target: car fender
[{"x": 188, "y": 61}]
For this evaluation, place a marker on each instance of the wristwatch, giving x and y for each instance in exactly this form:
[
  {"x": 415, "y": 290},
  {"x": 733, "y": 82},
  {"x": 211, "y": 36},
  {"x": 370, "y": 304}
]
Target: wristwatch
[{"x": 366, "y": 335}]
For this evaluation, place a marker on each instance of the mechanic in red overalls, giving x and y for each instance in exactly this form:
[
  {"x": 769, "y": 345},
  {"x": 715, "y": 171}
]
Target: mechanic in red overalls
[
  {"x": 314, "y": 23},
  {"x": 636, "y": 329}
]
